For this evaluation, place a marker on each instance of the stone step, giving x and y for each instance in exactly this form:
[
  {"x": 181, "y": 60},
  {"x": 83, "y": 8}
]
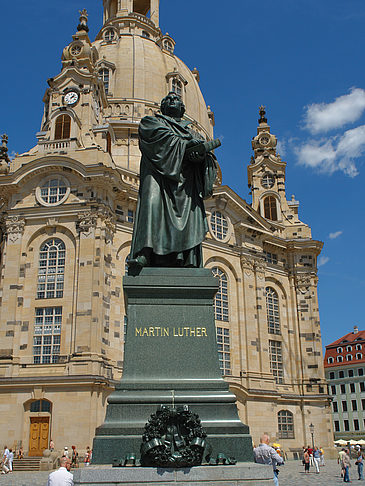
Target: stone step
[{"x": 27, "y": 464}]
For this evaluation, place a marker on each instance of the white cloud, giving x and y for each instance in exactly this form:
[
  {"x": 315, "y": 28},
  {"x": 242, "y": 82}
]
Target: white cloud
[
  {"x": 281, "y": 147},
  {"x": 322, "y": 260},
  {"x": 321, "y": 117},
  {"x": 334, "y": 153},
  {"x": 335, "y": 235}
]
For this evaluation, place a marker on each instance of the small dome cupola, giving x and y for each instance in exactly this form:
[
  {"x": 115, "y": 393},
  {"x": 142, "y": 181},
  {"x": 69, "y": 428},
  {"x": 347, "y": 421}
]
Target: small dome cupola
[
  {"x": 80, "y": 51},
  {"x": 120, "y": 8}
]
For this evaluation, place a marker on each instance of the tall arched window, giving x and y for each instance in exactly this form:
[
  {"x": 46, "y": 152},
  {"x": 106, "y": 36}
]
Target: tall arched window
[
  {"x": 272, "y": 311},
  {"x": 270, "y": 211},
  {"x": 63, "y": 127},
  {"x": 105, "y": 77},
  {"x": 51, "y": 270},
  {"x": 177, "y": 87},
  {"x": 285, "y": 424},
  {"x": 221, "y": 297}
]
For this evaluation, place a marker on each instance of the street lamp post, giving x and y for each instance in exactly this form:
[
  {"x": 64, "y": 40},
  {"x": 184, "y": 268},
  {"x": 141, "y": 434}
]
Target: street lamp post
[{"x": 311, "y": 429}]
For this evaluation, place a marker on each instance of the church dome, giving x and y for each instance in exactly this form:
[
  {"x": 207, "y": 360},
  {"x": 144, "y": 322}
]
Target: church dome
[{"x": 139, "y": 68}]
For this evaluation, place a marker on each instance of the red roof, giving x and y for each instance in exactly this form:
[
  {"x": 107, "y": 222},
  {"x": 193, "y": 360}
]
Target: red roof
[{"x": 350, "y": 339}]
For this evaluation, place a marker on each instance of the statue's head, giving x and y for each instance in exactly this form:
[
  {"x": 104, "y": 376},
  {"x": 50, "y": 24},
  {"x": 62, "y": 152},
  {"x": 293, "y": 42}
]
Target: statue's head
[{"x": 172, "y": 105}]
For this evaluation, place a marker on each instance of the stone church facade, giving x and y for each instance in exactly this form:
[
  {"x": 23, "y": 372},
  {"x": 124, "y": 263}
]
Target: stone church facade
[{"x": 67, "y": 217}]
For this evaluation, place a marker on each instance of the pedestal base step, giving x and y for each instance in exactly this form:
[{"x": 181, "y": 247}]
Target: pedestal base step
[{"x": 240, "y": 474}]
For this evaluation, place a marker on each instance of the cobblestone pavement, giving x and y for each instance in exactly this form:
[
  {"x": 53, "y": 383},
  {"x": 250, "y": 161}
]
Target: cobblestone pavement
[{"x": 292, "y": 474}]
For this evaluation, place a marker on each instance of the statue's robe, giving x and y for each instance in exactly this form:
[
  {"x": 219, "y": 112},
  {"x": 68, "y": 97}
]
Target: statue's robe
[{"x": 170, "y": 216}]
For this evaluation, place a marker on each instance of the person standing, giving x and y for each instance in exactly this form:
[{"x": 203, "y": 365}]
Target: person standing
[
  {"x": 61, "y": 477},
  {"x": 51, "y": 445},
  {"x": 264, "y": 454},
  {"x": 360, "y": 464},
  {"x": 306, "y": 461},
  {"x": 346, "y": 464},
  {"x": 322, "y": 463},
  {"x": 5, "y": 460},
  {"x": 316, "y": 459}
]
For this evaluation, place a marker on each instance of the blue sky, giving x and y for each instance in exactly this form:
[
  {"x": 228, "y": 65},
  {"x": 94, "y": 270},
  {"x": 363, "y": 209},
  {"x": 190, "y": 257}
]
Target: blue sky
[{"x": 302, "y": 59}]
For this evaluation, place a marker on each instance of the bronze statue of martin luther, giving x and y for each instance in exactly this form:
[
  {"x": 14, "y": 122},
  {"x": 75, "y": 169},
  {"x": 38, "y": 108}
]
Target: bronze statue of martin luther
[{"x": 177, "y": 172}]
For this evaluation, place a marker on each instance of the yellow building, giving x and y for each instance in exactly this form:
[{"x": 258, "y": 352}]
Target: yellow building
[{"x": 67, "y": 217}]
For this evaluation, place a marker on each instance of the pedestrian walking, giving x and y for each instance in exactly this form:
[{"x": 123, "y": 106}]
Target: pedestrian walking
[
  {"x": 316, "y": 459},
  {"x": 360, "y": 464},
  {"x": 310, "y": 452},
  {"x": 264, "y": 454},
  {"x": 74, "y": 457},
  {"x": 87, "y": 456},
  {"x": 346, "y": 464},
  {"x": 61, "y": 477},
  {"x": 340, "y": 462},
  {"x": 306, "y": 461},
  {"x": 10, "y": 460},
  {"x": 51, "y": 445},
  {"x": 5, "y": 461}
]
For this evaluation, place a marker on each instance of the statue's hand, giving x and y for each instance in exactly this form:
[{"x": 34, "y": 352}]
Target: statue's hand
[{"x": 196, "y": 157}]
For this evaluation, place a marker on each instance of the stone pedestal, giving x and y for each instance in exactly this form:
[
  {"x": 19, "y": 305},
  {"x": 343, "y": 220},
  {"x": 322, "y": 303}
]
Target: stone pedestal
[
  {"x": 170, "y": 358},
  {"x": 240, "y": 474}
]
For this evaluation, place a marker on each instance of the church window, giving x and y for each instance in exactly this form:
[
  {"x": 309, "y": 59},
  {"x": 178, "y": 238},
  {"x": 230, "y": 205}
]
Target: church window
[
  {"x": 177, "y": 87},
  {"x": 75, "y": 49},
  {"x": 276, "y": 360},
  {"x": 109, "y": 35},
  {"x": 272, "y": 311},
  {"x": 130, "y": 216},
  {"x": 286, "y": 424},
  {"x": 145, "y": 34},
  {"x": 168, "y": 46},
  {"x": 219, "y": 225},
  {"x": 224, "y": 350},
  {"x": 221, "y": 297},
  {"x": 267, "y": 181},
  {"x": 63, "y": 127},
  {"x": 270, "y": 210},
  {"x": 47, "y": 335},
  {"x": 271, "y": 257},
  {"x": 40, "y": 406},
  {"x": 108, "y": 143},
  {"x": 105, "y": 77},
  {"x": 53, "y": 191},
  {"x": 51, "y": 270}
]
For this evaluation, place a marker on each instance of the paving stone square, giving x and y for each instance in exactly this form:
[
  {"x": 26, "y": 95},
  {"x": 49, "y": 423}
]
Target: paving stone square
[{"x": 292, "y": 474}]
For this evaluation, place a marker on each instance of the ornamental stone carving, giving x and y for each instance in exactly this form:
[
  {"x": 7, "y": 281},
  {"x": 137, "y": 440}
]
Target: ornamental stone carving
[
  {"x": 303, "y": 282},
  {"x": 14, "y": 228},
  {"x": 86, "y": 223},
  {"x": 247, "y": 264}
]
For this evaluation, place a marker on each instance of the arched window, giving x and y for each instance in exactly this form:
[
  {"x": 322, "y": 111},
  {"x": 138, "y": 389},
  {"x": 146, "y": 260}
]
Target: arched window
[
  {"x": 330, "y": 360},
  {"x": 51, "y": 271},
  {"x": 348, "y": 348},
  {"x": 168, "y": 46},
  {"x": 285, "y": 424},
  {"x": 339, "y": 350},
  {"x": 358, "y": 355},
  {"x": 145, "y": 34},
  {"x": 221, "y": 297},
  {"x": 177, "y": 87},
  {"x": 270, "y": 211},
  {"x": 219, "y": 225},
  {"x": 358, "y": 347},
  {"x": 109, "y": 35},
  {"x": 272, "y": 311},
  {"x": 349, "y": 357},
  {"x": 339, "y": 359},
  {"x": 105, "y": 77},
  {"x": 63, "y": 127}
]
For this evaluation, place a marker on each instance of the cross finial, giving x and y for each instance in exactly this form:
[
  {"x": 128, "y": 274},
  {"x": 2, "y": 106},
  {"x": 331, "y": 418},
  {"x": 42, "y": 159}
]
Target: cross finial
[
  {"x": 83, "y": 21},
  {"x": 262, "y": 113}
]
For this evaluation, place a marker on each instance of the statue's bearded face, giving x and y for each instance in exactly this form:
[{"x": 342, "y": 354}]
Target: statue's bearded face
[{"x": 172, "y": 105}]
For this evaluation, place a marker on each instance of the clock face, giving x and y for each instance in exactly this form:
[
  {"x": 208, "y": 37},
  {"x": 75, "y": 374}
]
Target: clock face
[{"x": 71, "y": 98}]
